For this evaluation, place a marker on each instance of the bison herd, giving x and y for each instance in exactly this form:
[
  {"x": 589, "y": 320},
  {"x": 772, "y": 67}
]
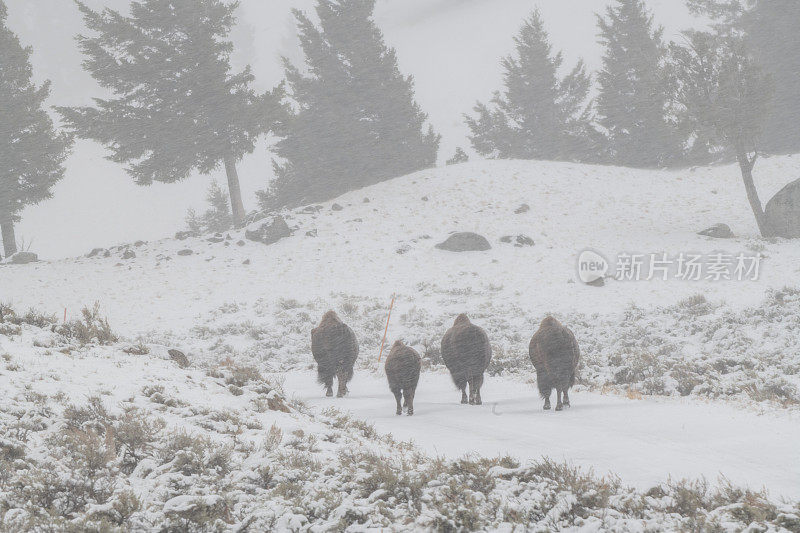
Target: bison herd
[{"x": 466, "y": 352}]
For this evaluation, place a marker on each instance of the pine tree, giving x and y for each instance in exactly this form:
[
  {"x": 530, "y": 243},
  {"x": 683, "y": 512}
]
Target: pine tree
[
  {"x": 355, "y": 121},
  {"x": 177, "y": 107},
  {"x": 724, "y": 96},
  {"x": 538, "y": 115},
  {"x": 635, "y": 90},
  {"x": 32, "y": 153}
]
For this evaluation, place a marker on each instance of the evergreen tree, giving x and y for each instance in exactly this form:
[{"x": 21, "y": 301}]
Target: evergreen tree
[
  {"x": 635, "y": 90},
  {"x": 355, "y": 121},
  {"x": 724, "y": 97},
  {"x": 32, "y": 153},
  {"x": 538, "y": 115},
  {"x": 217, "y": 218},
  {"x": 176, "y": 105},
  {"x": 459, "y": 157}
]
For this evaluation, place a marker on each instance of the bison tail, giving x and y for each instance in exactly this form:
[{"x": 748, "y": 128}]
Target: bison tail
[{"x": 544, "y": 386}]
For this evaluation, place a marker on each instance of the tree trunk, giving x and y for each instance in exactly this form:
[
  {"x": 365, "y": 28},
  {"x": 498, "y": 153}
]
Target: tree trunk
[
  {"x": 9, "y": 240},
  {"x": 235, "y": 192},
  {"x": 746, "y": 165}
]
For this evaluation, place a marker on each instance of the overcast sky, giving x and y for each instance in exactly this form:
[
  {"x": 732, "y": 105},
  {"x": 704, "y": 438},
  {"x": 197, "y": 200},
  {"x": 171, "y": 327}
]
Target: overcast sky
[{"x": 451, "y": 47}]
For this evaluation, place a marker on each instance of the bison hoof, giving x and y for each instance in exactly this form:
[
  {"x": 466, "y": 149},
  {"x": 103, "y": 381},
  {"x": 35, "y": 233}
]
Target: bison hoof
[
  {"x": 547, "y": 407},
  {"x": 464, "y": 400},
  {"x": 399, "y": 412},
  {"x": 329, "y": 393},
  {"x": 410, "y": 412},
  {"x": 559, "y": 407}
]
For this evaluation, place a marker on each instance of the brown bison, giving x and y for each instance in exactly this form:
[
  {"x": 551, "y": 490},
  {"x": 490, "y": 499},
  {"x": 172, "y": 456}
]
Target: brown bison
[
  {"x": 466, "y": 353},
  {"x": 402, "y": 370},
  {"x": 555, "y": 354},
  {"x": 335, "y": 350}
]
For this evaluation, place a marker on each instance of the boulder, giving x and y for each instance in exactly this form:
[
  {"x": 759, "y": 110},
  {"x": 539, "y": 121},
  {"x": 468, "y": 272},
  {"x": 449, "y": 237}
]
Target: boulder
[
  {"x": 717, "y": 231},
  {"x": 95, "y": 251},
  {"x": 783, "y": 212},
  {"x": 185, "y": 252},
  {"x": 23, "y": 258},
  {"x": 128, "y": 254},
  {"x": 183, "y": 235},
  {"x": 523, "y": 240},
  {"x": 524, "y": 208},
  {"x": 179, "y": 357},
  {"x": 336, "y": 207},
  {"x": 465, "y": 242},
  {"x": 270, "y": 231}
]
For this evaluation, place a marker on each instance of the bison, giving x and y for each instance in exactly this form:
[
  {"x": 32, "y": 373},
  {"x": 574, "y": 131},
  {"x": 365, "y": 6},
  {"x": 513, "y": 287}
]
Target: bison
[
  {"x": 555, "y": 354},
  {"x": 466, "y": 353},
  {"x": 402, "y": 370},
  {"x": 335, "y": 350}
]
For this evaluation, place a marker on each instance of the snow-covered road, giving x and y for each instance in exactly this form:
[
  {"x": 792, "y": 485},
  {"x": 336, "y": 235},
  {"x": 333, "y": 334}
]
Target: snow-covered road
[{"x": 644, "y": 441}]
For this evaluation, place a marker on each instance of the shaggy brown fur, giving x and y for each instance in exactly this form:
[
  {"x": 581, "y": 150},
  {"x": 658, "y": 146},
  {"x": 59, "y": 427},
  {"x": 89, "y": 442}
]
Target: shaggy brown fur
[
  {"x": 555, "y": 354},
  {"x": 335, "y": 350},
  {"x": 466, "y": 352},
  {"x": 402, "y": 370}
]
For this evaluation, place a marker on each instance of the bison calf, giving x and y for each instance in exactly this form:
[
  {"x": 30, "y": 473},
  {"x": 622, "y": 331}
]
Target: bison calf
[
  {"x": 402, "y": 370},
  {"x": 335, "y": 350},
  {"x": 554, "y": 353},
  {"x": 466, "y": 353}
]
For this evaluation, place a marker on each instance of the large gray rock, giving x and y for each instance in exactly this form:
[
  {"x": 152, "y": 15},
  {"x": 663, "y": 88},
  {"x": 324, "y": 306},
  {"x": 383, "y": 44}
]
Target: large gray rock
[
  {"x": 23, "y": 258},
  {"x": 270, "y": 231},
  {"x": 465, "y": 241},
  {"x": 783, "y": 212}
]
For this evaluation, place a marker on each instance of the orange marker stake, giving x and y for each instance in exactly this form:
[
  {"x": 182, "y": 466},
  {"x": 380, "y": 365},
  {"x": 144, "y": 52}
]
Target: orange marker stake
[{"x": 383, "y": 342}]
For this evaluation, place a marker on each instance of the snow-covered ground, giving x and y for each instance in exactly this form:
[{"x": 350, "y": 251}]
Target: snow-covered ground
[
  {"x": 644, "y": 441},
  {"x": 680, "y": 379}
]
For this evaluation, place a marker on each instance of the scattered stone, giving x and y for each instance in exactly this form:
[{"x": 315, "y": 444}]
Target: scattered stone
[
  {"x": 128, "y": 254},
  {"x": 269, "y": 232},
  {"x": 366, "y": 200},
  {"x": 524, "y": 208},
  {"x": 783, "y": 212},
  {"x": 311, "y": 209},
  {"x": 465, "y": 242},
  {"x": 506, "y": 238},
  {"x": 717, "y": 231},
  {"x": 336, "y": 207},
  {"x": 139, "y": 243},
  {"x": 23, "y": 258},
  {"x": 216, "y": 239},
  {"x": 311, "y": 233},
  {"x": 95, "y": 252},
  {"x": 107, "y": 253},
  {"x": 523, "y": 240},
  {"x": 424, "y": 198},
  {"x": 240, "y": 243},
  {"x": 185, "y": 252},
  {"x": 246, "y": 262},
  {"x": 403, "y": 249},
  {"x": 179, "y": 357},
  {"x": 183, "y": 235}
]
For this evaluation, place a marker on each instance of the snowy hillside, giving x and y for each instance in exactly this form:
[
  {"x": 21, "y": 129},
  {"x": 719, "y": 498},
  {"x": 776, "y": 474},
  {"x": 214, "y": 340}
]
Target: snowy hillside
[{"x": 654, "y": 352}]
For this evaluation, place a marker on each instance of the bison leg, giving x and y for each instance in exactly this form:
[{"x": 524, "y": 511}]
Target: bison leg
[
  {"x": 546, "y": 396},
  {"x": 559, "y": 404},
  {"x": 471, "y": 392},
  {"x": 478, "y": 383},
  {"x": 409, "y": 398},
  {"x": 342, "y": 384},
  {"x": 328, "y": 382},
  {"x": 398, "y": 397},
  {"x": 566, "y": 398},
  {"x": 464, "y": 394}
]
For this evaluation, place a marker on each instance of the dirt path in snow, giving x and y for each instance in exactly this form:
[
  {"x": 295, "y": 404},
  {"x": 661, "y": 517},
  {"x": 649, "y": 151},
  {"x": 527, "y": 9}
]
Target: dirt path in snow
[{"x": 644, "y": 441}]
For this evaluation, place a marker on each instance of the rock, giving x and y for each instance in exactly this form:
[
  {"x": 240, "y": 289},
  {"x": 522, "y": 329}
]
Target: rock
[
  {"x": 403, "y": 249},
  {"x": 717, "y": 231},
  {"x": 246, "y": 262},
  {"x": 269, "y": 232},
  {"x": 366, "y": 200},
  {"x": 139, "y": 243},
  {"x": 424, "y": 198},
  {"x": 783, "y": 212},
  {"x": 185, "y": 252},
  {"x": 524, "y": 208},
  {"x": 95, "y": 251},
  {"x": 179, "y": 357},
  {"x": 465, "y": 242},
  {"x": 128, "y": 254},
  {"x": 311, "y": 233},
  {"x": 215, "y": 239},
  {"x": 240, "y": 243},
  {"x": 183, "y": 235},
  {"x": 506, "y": 238},
  {"x": 311, "y": 209},
  {"x": 23, "y": 258},
  {"x": 336, "y": 207},
  {"x": 107, "y": 253},
  {"x": 524, "y": 240}
]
